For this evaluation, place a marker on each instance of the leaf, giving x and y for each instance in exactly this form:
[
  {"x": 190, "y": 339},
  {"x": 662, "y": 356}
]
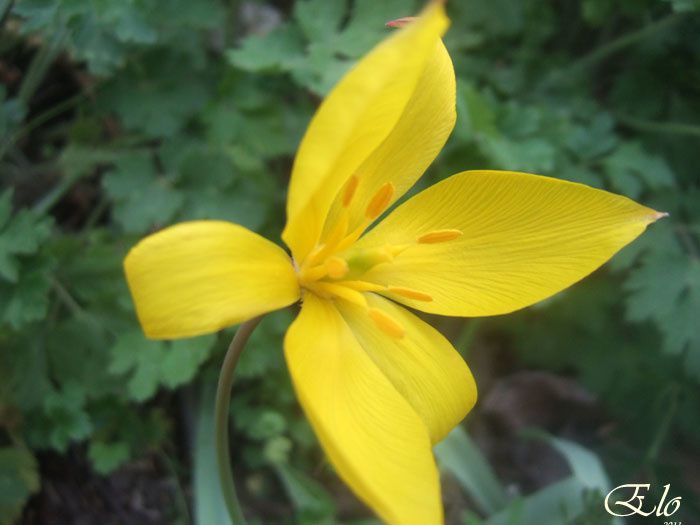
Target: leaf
[
  {"x": 66, "y": 416},
  {"x": 317, "y": 49},
  {"x": 684, "y": 6},
  {"x": 558, "y": 504},
  {"x": 209, "y": 506},
  {"x": 672, "y": 302},
  {"x": 307, "y": 496},
  {"x": 19, "y": 479},
  {"x": 267, "y": 424},
  {"x": 142, "y": 198},
  {"x": 106, "y": 457},
  {"x": 183, "y": 359},
  {"x": 20, "y": 235},
  {"x": 150, "y": 364},
  {"x": 28, "y": 299},
  {"x": 585, "y": 465},
  {"x": 460, "y": 456},
  {"x": 152, "y": 98},
  {"x": 279, "y": 51},
  {"x": 630, "y": 169},
  {"x": 319, "y": 19}
]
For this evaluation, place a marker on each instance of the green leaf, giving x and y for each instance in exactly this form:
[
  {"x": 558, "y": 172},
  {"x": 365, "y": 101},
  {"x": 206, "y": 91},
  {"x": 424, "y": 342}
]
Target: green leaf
[
  {"x": 150, "y": 364},
  {"x": 684, "y": 6},
  {"x": 209, "y": 505},
  {"x": 672, "y": 302},
  {"x": 28, "y": 299},
  {"x": 183, "y": 359},
  {"x": 66, "y": 416},
  {"x": 585, "y": 465},
  {"x": 459, "y": 455},
  {"x": 142, "y": 198},
  {"x": 19, "y": 479},
  {"x": 152, "y": 98},
  {"x": 141, "y": 359},
  {"x": 630, "y": 169},
  {"x": 268, "y": 424},
  {"x": 557, "y": 504},
  {"x": 319, "y": 19},
  {"x": 106, "y": 457},
  {"x": 278, "y": 51},
  {"x": 20, "y": 235},
  {"x": 307, "y": 496}
]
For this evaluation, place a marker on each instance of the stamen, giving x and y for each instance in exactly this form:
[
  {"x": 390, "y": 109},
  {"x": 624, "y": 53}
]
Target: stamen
[
  {"x": 313, "y": 274},
  {"x": 314, "y": 256},
  {"x": 350, "y": 295},
  {"x": 380, "y": 201},
  {"x": 350, "y": 239},
  {"x": 363, "y": 286},
  {"x": 349, "y": 191},
  {"x": 337, "y": 267},
  {"x": 439, "y": 236},
  {"x": 386, "y": 323},
  {"x": 339, "y": 231},
  {"x": 410, "y": 293}
]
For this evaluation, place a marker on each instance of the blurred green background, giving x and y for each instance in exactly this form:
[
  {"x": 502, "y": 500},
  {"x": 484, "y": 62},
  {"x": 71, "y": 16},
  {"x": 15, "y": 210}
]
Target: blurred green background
[{"x": 119, "y": 117}]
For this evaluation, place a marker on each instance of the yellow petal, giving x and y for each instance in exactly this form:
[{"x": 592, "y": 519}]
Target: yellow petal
[
  {"x": 375, "y": 440},
  {"x": 422, "y": 365},
  {"x": 522, "y": 238},
  {"x": 360, "y": 114},
  {"x": 199, "y": 277}
]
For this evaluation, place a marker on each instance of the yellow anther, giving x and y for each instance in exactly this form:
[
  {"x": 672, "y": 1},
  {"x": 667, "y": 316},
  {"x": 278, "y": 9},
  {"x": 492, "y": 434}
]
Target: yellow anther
[
  {"x": 349, "y": 191},
  {"x": 410, "y": 293},
  {"x": 343, "y": 292},
  {"x": 380, "y": 201},
  {"x": 439, "y": 236},
  {"x": 386, "y": 323},
  {"x": 337, "y": 267}
]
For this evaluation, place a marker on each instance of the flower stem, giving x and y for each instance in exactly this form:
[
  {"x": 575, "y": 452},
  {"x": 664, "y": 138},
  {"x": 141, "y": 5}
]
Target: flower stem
[{"x": 221, "y": 417}]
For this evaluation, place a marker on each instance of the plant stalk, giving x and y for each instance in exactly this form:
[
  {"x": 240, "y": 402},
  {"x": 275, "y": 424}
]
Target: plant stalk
[{"x": 221, "y": 418}]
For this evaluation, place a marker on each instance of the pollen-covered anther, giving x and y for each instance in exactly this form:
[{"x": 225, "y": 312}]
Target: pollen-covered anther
[
  {"x": 337, "y": 267},
  {"x": 437, "y": 236},
  {"x": 380, "y": 201},
  {"x": 386, "y": 323},
  {"x": 410, "y": 293},
  {"x": 350, "y": 189}
]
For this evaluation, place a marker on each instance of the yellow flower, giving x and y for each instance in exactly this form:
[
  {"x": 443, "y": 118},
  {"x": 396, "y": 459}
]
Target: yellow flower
[{"x": 379, "y": 385}]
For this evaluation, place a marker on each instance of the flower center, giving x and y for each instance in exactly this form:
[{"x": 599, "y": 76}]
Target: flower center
[{"x": 329, "y": 273}]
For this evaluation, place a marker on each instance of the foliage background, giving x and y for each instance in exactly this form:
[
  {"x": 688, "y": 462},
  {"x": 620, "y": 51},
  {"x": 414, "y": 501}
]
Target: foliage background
[{"x": 118, "y": 117}]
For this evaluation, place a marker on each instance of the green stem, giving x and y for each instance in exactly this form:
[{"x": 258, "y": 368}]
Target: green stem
[
  {"x": 221, "y": 418},
  {"x": 668, "y": 128},
  {"x": 604, "y": 51}
]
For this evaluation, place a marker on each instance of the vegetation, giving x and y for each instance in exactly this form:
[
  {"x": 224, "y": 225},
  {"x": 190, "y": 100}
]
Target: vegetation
[{"x": 120, "y": 117}]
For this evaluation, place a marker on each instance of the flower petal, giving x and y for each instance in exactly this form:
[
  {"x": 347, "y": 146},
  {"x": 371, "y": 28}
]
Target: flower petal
[
  {"x": 358, "y": 116},
  {"x": 422, "y": 365},
  {"x": 413, "y": 144},
  {"x": 494, "y": 242},
  {"x": 375, "y": 440},
  {"x": 199, "y": 277}
]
